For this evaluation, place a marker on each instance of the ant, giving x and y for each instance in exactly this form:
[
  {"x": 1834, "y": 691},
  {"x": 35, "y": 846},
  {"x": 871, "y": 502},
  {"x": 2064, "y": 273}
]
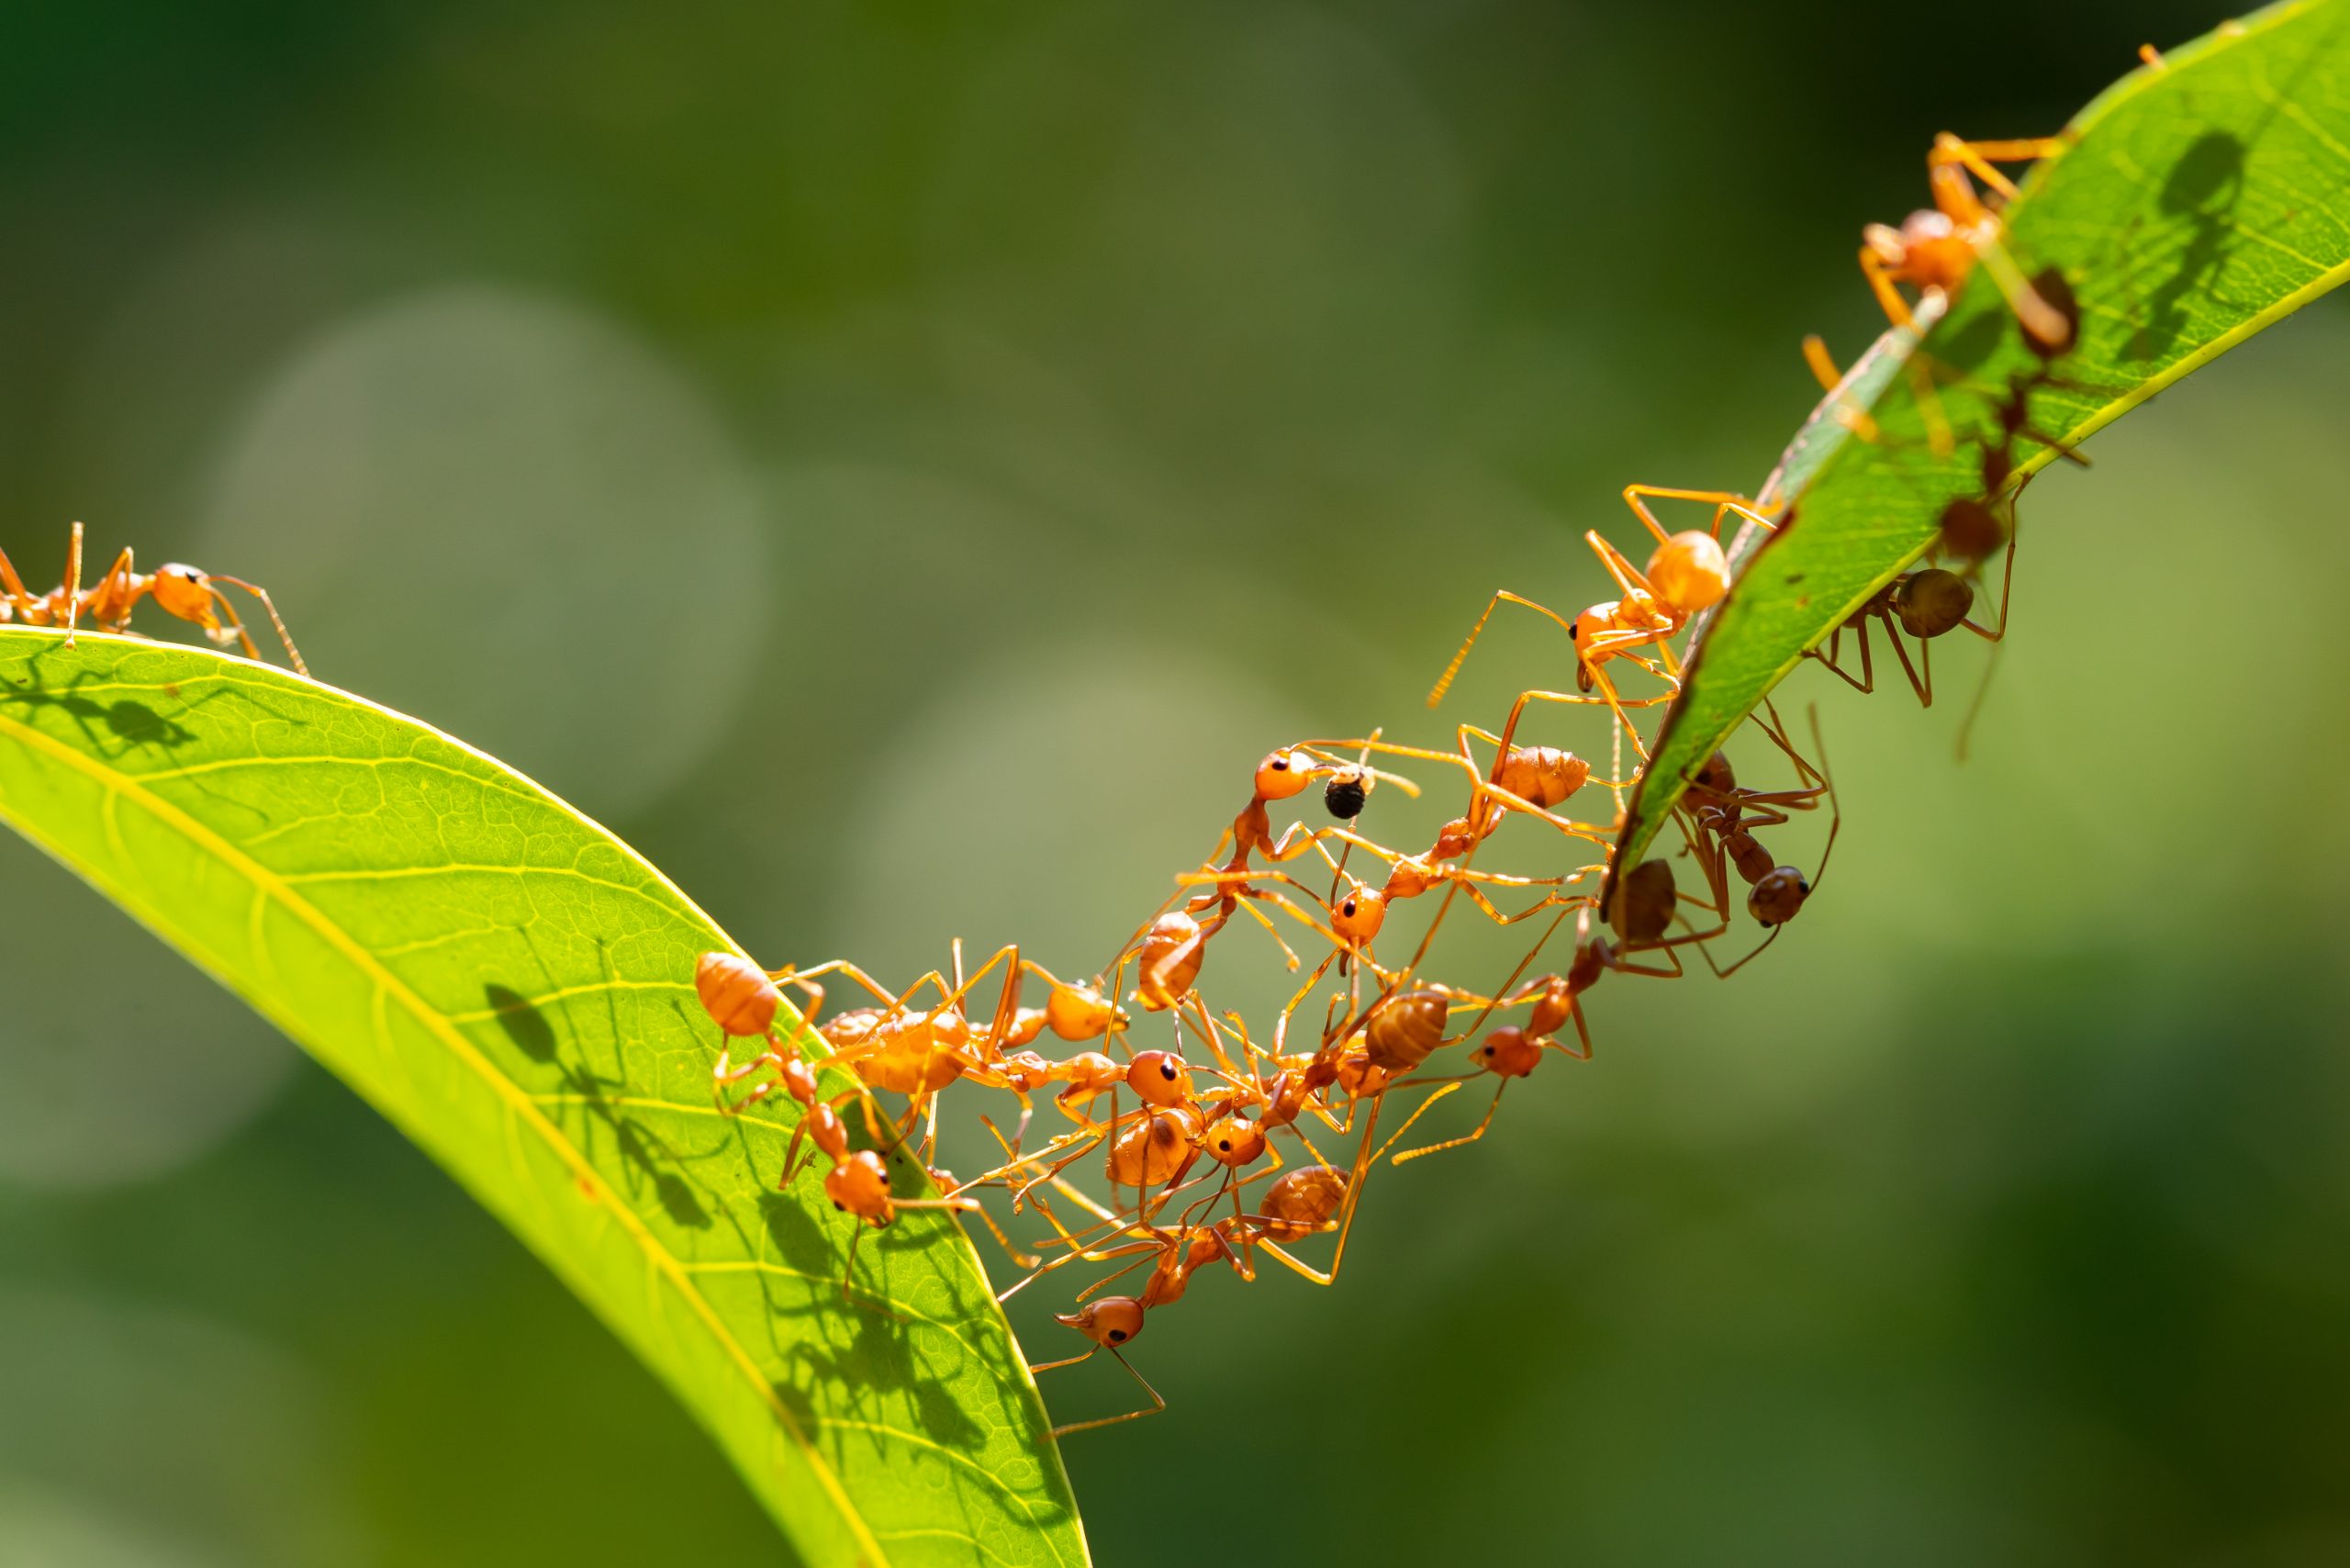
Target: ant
[
  {"x": 1936, "y": 247},
  {"x": 742, "y": 1000},
  {"x": 1687, "y": 575},
  {"x": 185, "y": 591},
  {"x": 1724, "y": 839},
  {"x": 1926, "y": 604}
]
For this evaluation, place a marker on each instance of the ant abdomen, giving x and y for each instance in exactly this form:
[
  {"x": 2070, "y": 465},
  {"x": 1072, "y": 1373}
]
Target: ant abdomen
[
  {"x": 1778, "y": 896},
  {"x": 1300, "y": 1201},
  {"x": 736, "y": 993},
  {"x": 1931, "y": 602},
  {"x": 1403, "y": 1032},
  {"x": 1644, "y": 903},
  {"x": 1345, "y": 796}
]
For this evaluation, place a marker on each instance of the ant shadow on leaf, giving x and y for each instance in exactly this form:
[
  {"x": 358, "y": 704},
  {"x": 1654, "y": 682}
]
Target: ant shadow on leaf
[
  {"x": 128, "y": 726},
  {"x": 2201, "y": 192},
  {"x": 652, "y": 1161}
]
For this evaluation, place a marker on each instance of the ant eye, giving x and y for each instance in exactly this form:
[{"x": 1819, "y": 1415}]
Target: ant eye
[
  {"x": 1281, "y": 765},
  {"x": 1117, "y": 1334},
  {"x": 1347, "y": 908},
  {"x": 1166, "y": 1071}
]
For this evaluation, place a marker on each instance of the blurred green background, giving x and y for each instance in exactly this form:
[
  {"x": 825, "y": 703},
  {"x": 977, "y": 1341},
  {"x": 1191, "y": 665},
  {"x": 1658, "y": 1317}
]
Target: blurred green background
[{"x": 900, "y": 465}]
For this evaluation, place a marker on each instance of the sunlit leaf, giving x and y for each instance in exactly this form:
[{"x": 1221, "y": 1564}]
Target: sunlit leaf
[
  {"x": 512, "y": 987},
  {"x": 2201, "y": 201}
]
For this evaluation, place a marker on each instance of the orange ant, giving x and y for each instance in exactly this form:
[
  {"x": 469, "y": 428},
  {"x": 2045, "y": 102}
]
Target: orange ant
[
  {"x": 1936, "y": 247},
  {"x": 1297, "y": 1204},
  {"x": 1687, "y": 575},
  {"x": 181, "y": 591},
  {"x": 742, "y": 1000}
]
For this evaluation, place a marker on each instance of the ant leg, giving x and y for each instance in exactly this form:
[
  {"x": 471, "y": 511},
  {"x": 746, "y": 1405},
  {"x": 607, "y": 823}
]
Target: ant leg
[
  {"x": 1720, "y": 501},
  {"x": 1849, "y": 413},
  {"x": 12, "y": 587},
  {"x": 1448, "y": 1086},
  {"x": 1720, "y": 973},
  {"x": 1867, "y": 683},
  {"x": 1458, "y": 1142},
  {"x": 1019, "y": 1260},
  {"x": 1444, "y": 681},
  {"x": 1355, "y": 1183},
  {"x": 2007, "y": 589},
  {"x": 1629, "y": 579},
  {"x": 1939, "y": 438},
  {"x": 1925, "y": 687},
  {"x": 1157, "y": 1404},
  {"x": 1977, "y": 157},
  {"x": 276, "y": 620},
  {"x": 1064, "y": 1362},
  {"x": 73, "y": 584},
  {"x": 1583, "y": 1030},
  {"x": 1880, "y": 280}
]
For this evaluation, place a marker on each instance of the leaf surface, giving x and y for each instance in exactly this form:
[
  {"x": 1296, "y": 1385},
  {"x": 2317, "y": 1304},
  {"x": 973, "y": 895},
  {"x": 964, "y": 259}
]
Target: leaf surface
[
  {"x": 512, "y": 987},
  {"x": 2199, "y": 202}
]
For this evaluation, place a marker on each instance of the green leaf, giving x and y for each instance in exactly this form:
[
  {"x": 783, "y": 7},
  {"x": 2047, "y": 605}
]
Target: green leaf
[
  {"x": 2200, "y": 201},
  {"x": 512, "y": 986}
]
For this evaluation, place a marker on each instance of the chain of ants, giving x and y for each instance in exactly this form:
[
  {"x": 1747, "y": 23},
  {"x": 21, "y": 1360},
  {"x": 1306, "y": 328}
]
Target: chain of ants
[{"x": 1190, "y": 1140}]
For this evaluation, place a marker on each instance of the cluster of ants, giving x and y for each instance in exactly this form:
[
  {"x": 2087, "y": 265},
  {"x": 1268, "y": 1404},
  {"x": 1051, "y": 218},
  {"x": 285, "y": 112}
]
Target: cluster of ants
[{"x": 1190, "y": 1137}]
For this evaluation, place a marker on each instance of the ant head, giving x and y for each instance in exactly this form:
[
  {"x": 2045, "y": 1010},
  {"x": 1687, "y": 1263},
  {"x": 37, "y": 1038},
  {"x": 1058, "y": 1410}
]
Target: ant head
[
  {"x": 1644, "y": 903},
  {"x": 1345, "y": 795},
  {"x": 1971, "y": 530},
  {"x": 1508, "y": 1052},
  {"x": 736, "y": 993},
  {"x": 1283, "y": 774},
  {"x": 859, "y": 1185},
  {"x": 1359, "y": 914},
  {"x": 186, "y": 592},
  {"x": 1689, "y": 571},
  {"x": 1159, "y": 1078},
  {"x": 1235, "y": 1143},
  {"x": 1932, "y": 601},
  {"x": 1110, "y": 1322},
  {"x": 1778, "y": 896}
]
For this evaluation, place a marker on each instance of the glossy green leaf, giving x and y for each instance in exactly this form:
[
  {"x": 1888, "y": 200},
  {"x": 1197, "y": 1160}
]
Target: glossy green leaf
[
  {"x": 2199, "y": 202},
  {"x": 512, "y": 986}
]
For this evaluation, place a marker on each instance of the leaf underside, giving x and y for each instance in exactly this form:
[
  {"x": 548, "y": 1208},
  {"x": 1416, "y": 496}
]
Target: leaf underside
[
  {"x": 512, "y": 987},
  {"x": 2200, "y": 201}
]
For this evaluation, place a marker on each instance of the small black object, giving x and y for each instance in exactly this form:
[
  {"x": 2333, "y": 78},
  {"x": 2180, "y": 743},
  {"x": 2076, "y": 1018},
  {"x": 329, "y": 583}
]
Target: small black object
[{"x": 1345, "y": 796}]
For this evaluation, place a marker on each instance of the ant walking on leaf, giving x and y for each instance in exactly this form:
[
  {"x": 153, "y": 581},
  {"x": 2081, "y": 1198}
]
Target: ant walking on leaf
[{"x": 191, "y": 594}]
